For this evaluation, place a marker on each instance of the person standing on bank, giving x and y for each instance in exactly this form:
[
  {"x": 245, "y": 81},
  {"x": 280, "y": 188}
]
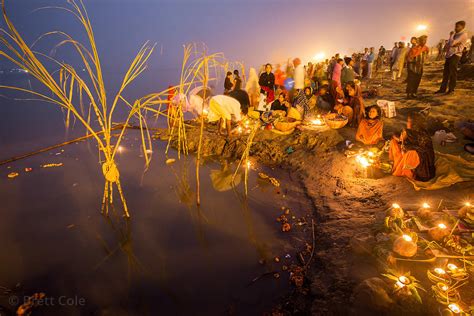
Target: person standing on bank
[
  {"x": 370, "y": 62},
  {"x": 415, "y": 62},
  {"x": 455, "y": 46}
]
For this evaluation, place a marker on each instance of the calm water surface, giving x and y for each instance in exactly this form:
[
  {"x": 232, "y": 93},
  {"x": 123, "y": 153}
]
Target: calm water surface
[{"x": 171, "y": 258}]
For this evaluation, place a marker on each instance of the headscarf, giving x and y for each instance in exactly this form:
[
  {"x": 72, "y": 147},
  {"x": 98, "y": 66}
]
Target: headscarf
[{"x": 356, "y": 102}]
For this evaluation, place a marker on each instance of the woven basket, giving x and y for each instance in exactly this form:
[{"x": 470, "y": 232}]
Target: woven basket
[
  {"x": 284, "y": 126},
  {"x": 334, "y": 123}
]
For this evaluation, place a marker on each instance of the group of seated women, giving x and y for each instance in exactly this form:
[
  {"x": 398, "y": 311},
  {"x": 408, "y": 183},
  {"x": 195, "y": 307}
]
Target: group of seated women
[{"x": 411, "y": 152}]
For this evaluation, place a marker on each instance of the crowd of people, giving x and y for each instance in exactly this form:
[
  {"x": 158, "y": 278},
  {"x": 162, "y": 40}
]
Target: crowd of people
[{"x": 334, "y": 86}]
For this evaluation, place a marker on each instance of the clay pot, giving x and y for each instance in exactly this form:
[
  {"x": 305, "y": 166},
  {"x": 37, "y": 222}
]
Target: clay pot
[
  {"x": 424, "y": 213},
  {"x": 404, "y": 247},
  {"x": 438, "y": 233},
  {"x": 467, "y": 212}
]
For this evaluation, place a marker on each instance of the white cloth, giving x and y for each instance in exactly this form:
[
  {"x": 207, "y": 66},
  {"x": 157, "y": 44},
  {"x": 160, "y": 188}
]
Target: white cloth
[
  {"x": 456, "y": 44},
  {"x": 196, "y": 102},
  {"x": 227, "y": 105},
  {"x": 181, "y": 98},
  {"x": 299, "y": 77}
]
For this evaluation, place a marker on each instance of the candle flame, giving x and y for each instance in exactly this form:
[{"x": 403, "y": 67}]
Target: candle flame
[
  {"x": 395, "y": 205},
  {"x": 468, "y": 204},
  {"x": 407, "y": 238},
  {"x": 442, "y": 226},
  {"x": 426, "y": 205},
  {"x": 248, "y": 164}
]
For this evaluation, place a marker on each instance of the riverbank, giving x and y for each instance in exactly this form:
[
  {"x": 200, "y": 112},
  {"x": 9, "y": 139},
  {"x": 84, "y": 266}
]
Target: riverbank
[{"x": 346, "y": 206}]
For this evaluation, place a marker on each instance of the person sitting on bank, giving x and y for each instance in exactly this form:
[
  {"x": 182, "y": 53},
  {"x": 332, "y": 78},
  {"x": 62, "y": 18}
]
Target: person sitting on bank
[
  {"x": 325, "y": 102},
  {"x": 223, "y": 108},
  {"x": 370, "y": 129},
  {"x": 355, "y": 103},
  {"x": 240, "y": 95},
  {"x": 302, "y": 101},
  {"x": 412, "y": 152},
  {"x": 280, "y": 104},
  {"x": 228, "y": 83}
]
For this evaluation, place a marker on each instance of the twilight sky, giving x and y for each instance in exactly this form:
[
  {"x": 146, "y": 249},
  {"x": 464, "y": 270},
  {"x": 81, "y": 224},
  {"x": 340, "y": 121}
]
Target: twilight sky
[{"x": 251, "y": 31}]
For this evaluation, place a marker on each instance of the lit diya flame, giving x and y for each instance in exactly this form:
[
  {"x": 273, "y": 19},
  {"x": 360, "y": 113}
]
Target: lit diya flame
[
  {"x": 468, "y": 204},
  {"x": 248, "y": 164},
  {"x": 403, "y": 281},
  {"x": 205, "y": 111},
  {"x": 452, "y": 267},
  {"x": 439, "y": 271},
  {"x": 426, "y": 205},
  {"x": 443, "y": 287},
  {"x": 317, "y": 121},
  {"x": 407, "y": 238},
  {"x": 239, "y": 129},
  {"x": 120, "y": 149},
  {"x": 395, "y": 205},
  {"x": 442, "y": 226},
  {"x": 454, "y": 308},
  {"x": 363, "y": 161}
]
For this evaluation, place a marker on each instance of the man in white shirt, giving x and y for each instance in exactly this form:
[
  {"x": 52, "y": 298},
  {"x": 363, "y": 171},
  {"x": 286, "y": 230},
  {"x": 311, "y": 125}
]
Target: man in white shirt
[
  {"x": 223, "y": 108},
  {"x": 454, "y": 49}
]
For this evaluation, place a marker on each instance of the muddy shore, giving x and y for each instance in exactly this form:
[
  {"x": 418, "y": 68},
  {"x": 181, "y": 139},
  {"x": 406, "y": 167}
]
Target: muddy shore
[{"x": 346, "y": 206}]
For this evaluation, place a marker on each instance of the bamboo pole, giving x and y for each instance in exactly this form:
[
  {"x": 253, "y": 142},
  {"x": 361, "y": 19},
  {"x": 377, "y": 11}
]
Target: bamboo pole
[{"x": 9, "y": 160}]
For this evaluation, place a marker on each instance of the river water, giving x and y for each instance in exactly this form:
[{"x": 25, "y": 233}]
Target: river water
[{"x": 171, "y": 258}]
